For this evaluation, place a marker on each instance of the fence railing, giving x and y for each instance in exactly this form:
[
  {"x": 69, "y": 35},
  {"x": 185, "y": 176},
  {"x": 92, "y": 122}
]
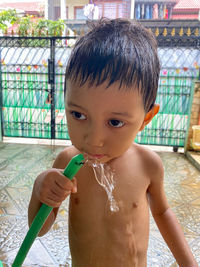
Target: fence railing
[{"x": 32, "y": 80}]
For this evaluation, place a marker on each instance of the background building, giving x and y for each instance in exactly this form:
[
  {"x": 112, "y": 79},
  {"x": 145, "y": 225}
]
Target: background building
[
  {"x": 35, "y": 8},
  {"x": 154, "y": 9},
  {"x": 187, "y": 9},
  {"x": 94, "y": 9}
]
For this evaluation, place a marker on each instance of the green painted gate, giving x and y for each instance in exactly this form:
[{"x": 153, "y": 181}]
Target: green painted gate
[{"x": 32, "y": 80}]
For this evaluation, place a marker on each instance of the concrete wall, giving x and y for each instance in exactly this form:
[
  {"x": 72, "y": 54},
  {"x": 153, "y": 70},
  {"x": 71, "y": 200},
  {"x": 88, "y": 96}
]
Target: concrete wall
[{"x": 195, "y": 113}]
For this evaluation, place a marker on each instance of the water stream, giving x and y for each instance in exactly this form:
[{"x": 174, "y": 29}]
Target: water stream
[{"x": 104, "y": 176}]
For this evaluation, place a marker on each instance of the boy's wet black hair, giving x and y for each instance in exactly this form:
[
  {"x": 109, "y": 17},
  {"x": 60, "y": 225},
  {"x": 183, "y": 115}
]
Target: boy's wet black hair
[{"x": 117, "y": 50}]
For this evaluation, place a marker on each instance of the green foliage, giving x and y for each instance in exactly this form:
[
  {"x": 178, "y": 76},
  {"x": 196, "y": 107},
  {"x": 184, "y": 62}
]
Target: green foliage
[
  {"x": 44, "y": 26},
  {"x": 40, "y": 28},
  {"x": 8, "y": 17},
  {"x": 56, "y": 27},
  {"x": 24, "y": 25}
]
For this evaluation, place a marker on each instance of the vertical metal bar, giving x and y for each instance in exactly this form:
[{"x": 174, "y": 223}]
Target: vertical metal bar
[
  {"x": 52, "y": 82},
  {"x": 189, "y": 115}
]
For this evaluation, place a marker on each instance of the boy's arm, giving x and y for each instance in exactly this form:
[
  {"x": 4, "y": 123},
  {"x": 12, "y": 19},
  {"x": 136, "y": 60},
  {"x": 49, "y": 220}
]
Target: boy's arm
[
  {"x": 35, "y": 204},
  {"x": 51, "y": 187},
  {"x": 166, "y": 220}
]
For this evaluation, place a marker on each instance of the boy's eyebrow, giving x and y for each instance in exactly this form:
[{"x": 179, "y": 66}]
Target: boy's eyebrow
[
  {"x": 74, "y": 105},
  {"x": 125, "y": 114}
]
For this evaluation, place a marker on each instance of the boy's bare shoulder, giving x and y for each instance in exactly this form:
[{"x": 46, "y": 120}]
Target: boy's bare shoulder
[
  {"x": 64, "y": 157},
  {"x": 151, "y": 162}
]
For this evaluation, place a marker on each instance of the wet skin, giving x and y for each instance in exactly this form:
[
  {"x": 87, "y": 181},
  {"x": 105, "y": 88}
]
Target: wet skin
[
  {"x": 112, "y": 238},
  {"x": 103, "y": 123}
]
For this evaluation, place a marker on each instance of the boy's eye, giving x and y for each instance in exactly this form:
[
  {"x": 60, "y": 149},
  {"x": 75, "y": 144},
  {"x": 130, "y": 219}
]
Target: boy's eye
[
  {"x": 78, "y": 115},
  {"x": 116, "y": 123}
]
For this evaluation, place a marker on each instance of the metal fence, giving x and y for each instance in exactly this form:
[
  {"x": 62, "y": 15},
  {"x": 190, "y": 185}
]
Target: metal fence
[{"x": 32, "y": 80}]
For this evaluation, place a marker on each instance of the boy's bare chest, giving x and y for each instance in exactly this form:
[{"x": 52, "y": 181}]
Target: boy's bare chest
[
  {"x": 110, "y": 236},
  {"x": 125, "y": 183},
  {"x": 92, "y": 204}
]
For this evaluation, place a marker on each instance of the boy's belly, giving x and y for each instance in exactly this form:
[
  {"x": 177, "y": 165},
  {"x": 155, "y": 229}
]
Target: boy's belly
[{"x": 100, "y": 238}]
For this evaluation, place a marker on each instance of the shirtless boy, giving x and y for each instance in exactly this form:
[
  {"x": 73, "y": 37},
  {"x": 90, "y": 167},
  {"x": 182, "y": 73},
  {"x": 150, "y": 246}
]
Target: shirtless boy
[{"x": 110, "y": 91}]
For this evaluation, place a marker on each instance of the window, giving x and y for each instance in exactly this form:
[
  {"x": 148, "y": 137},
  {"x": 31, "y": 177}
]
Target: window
[
  {"x": 110, "y": 10},
  {"x": 79, "y": 13}
]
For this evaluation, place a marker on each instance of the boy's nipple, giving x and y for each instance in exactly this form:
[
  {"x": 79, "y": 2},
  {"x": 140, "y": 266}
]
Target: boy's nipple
[
  {"x": 134, "y": 205},
  {"x": 77, "y": 200}
]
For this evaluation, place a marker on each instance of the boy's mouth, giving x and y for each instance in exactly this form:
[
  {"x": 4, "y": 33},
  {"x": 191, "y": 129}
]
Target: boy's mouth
[{"x": 95, "y": 156}]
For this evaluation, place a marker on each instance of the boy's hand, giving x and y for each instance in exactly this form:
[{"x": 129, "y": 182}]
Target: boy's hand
[{"x": 52, "y": 187}]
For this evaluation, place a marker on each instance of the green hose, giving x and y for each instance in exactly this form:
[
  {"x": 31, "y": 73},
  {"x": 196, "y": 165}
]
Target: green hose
[{"x": 72, "y": 168}]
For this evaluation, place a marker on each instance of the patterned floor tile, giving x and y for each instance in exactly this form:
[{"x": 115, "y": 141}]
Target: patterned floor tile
[
  {"x": 189, "y": 216},
  {"x": 56, "y": 243},
  {"x": 7, "y": 205},
  {"x": 13, "y": 230},
  {"x": 158, "y": 253},
  {"x": 37, "y": 256}
]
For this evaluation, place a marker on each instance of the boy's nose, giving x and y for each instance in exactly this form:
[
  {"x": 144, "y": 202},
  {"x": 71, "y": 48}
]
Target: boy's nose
[{"x": 94, "y": 136}]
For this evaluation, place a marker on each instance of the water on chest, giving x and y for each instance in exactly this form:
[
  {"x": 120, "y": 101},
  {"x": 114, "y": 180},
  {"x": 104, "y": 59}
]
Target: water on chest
[{"x": 104, "y": 176}]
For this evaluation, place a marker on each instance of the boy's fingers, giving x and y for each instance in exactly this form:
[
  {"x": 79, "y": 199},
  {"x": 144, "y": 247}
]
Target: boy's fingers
[
  {"x": 58, "y": 198},
  {"x": 51, "y": 200},
  {"x": 61, "y": 180},
  {"x": 56, "y": 187},
  {"x": 64, "y": 184},
  {"x": 54, "y": 200},
  {"x": 52, "y": 203},
  {"x": 61, "y": 193}
]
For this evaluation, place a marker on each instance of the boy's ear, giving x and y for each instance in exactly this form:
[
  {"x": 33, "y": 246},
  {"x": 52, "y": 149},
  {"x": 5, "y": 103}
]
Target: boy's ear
[{"x": 149, "y": 116}]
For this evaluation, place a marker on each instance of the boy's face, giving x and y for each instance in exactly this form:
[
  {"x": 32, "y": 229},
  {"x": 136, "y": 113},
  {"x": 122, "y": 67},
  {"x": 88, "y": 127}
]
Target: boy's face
[{"x": 103, "y": 123}]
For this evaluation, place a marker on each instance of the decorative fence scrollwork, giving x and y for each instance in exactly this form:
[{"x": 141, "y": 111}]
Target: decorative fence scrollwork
[{"x": 32, "y": 80}]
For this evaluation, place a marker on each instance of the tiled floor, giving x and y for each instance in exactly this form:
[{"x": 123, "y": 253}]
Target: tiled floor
[{"x": 19, "y": 165}]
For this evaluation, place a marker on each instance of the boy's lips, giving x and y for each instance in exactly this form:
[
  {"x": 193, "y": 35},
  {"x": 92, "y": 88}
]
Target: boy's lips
[{"x": 96, "y": 156}]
